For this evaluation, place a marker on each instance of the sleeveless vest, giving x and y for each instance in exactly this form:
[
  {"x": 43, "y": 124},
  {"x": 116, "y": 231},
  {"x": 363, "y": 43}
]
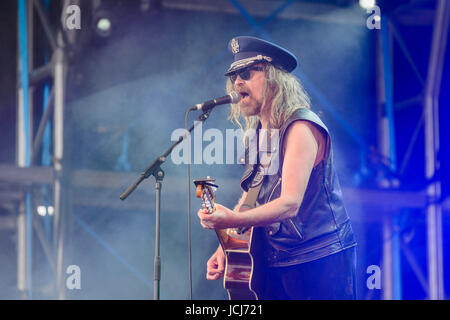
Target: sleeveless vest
[{"x": 321, "y": 226}]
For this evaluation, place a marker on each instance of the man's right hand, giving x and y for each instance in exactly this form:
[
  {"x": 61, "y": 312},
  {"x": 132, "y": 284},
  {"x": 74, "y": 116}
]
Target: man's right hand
[{"x": 215, "y": 266}]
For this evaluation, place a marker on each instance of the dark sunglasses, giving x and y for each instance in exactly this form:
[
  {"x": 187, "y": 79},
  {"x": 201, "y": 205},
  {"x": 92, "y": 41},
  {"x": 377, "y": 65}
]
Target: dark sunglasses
[{"x": 244, "y": 74}]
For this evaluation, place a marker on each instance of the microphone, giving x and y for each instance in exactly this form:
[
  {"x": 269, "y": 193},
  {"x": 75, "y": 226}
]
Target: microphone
[{"x": 233, "y": 97}]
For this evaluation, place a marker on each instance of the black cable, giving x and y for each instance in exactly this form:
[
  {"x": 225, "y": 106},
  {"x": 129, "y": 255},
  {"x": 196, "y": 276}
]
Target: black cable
[
  {"x": 189, "y": 203},
  {"x": 202, "y": 118}
]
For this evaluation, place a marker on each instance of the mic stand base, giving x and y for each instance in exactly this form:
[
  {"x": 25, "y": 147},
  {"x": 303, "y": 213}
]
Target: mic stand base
[{"x": 157, "y": 260}]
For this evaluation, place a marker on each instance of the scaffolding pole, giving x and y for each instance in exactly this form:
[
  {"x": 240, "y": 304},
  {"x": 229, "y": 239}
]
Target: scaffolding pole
[
  {"x": 432, "y": 166},
  {"x": 23, "y": 156},
  {"x": 27, "y": 148},
  {"x": 58, "y": 153},
  {"x": 392, "y": 285}
]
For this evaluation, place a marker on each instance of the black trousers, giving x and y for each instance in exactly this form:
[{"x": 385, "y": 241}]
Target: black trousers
[{"x": 329, "y": 278}]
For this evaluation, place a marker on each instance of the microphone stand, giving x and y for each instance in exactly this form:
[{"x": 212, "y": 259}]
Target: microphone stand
[{"x": 155, "y": 170}]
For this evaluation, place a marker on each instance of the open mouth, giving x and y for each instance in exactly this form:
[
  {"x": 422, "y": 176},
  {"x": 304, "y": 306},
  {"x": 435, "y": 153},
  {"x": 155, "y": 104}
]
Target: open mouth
[{"x": 243, "y": 95}]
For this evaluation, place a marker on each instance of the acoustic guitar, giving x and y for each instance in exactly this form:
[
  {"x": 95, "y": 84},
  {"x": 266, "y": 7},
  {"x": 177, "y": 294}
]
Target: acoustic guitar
[{"x": 244, "y": 268}]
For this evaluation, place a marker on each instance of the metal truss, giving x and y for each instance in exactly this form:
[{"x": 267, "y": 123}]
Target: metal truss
[
  {"x": 55, "y": 176},
  {"x": 394, "y": 246},
  {"x": 53, "y": 72}
]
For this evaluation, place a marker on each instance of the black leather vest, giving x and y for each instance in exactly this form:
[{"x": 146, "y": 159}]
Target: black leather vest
[{"x": 321, "y": 226}]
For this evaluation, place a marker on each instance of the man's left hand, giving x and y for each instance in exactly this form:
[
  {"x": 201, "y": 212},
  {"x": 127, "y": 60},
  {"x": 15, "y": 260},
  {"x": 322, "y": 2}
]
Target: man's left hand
[{"x": 221, "y": 218}]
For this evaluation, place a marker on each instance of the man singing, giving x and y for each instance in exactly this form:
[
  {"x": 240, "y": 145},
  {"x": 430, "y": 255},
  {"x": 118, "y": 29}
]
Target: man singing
[{"x": 308, "y": 239}]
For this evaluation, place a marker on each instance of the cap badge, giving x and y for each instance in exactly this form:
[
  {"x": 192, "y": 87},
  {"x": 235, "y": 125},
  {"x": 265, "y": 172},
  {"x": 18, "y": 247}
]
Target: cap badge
[{"x": 234, "y": 46}]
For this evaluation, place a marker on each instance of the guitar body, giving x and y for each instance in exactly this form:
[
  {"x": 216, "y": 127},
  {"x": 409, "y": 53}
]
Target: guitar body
[{"x": 244, "y": 271}]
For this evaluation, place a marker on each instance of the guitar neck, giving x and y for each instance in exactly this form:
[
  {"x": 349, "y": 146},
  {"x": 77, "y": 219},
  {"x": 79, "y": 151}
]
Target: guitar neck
[{"x": 223, "y": 238}]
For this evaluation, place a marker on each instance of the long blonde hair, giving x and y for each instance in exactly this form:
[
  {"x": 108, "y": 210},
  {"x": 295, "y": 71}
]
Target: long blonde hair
[{"x": 283, "y": 94}]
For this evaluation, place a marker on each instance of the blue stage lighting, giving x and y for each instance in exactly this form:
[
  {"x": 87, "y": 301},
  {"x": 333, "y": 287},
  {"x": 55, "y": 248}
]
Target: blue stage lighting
[{"x": 367, "y": 4}]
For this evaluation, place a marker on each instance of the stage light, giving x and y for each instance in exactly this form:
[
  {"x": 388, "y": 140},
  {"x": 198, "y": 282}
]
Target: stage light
[
  {"x": 367, "y": 4},
  {"x": 45, "y": 210},
  {"x": 145, "y": 5},
  {"x": 104, "y": 25},
  {"x": 42, "y": 211},
  {"x": 102, "y": 22}
]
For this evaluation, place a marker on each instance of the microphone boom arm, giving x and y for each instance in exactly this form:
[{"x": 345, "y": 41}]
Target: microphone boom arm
[{"x": 154, "y": 169}]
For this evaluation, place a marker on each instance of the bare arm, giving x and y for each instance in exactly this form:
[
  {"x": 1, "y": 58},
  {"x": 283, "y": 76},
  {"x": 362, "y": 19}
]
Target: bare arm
[
  {"x": 299, "y": 158},
  {"x": 240, "y": 202}
]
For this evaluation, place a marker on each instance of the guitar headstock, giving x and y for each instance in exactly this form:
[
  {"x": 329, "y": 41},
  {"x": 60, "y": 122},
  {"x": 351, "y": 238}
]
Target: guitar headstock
[{"x": 206, "y": 189}]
